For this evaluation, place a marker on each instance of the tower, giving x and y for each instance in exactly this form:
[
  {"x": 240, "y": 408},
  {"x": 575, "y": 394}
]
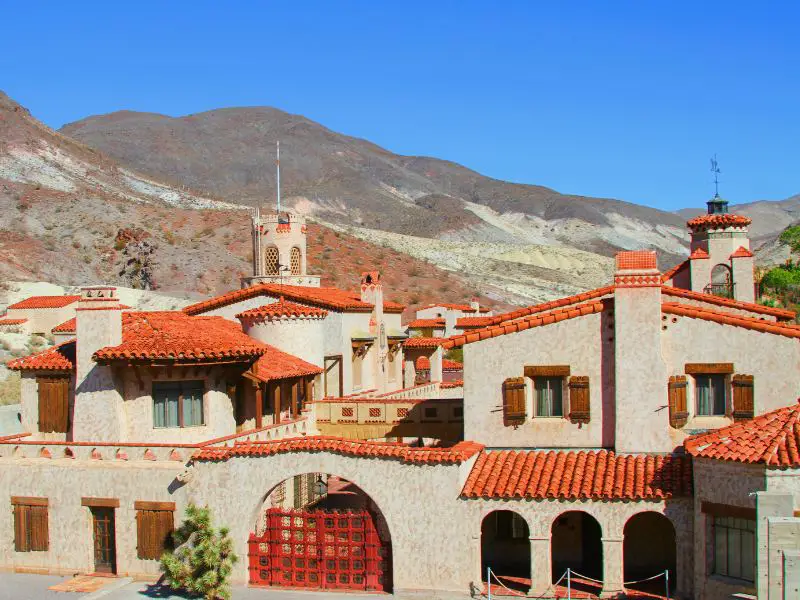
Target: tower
[{"x": 721, "y": 260}]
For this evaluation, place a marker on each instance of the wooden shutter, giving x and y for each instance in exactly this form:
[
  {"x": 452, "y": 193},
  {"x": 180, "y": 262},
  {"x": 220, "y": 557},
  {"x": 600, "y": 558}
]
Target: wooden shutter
[
  {"x": 677, "y": 401},
  {"x": 514, "y": 401},
  {"x": 743, "y": 407},
  {"x": 154, "y": 529},
  {"x": 579, "y": 411},
  {"x": 21, "y": 525},
  {"x": 53, "y": 404},
  {"x": 40, "y": 534}
]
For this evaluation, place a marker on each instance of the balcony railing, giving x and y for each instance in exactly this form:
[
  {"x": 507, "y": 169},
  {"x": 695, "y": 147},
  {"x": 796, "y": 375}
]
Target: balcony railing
[{"x": 723, "y": 290}]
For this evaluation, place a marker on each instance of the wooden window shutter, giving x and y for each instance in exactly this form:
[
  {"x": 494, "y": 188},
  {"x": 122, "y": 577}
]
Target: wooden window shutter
[
  {"x": 40, "y": 534},
  {"x": 678, "y": 413},
  {"x": 21, "y": 528},
  {"x": 743, "y": 406},
  {"x": 53, "y": 404},
  {"x": 579, "y": 411},
  {"x": 514, "y": 401},
  {"x": 154, "y": 533}
]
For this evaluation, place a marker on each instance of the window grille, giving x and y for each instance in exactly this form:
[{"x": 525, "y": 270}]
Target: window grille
[
  {"x": 294, "y": 260},
  {"x": 271, "y": 260}
]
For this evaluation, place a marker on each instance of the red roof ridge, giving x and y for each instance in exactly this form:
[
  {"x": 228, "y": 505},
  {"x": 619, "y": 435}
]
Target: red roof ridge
[
  {"x": 578, "y": 474},
  {"x": 741, "y": 252},
  {"x": 57, "y": 358},
  {"x": 553, "y": 316},
  {"x": 45, "y": 302},
  {"x": 439, "y": 322},
  {"x": 321, "y": 297},
  {"x": 456, "y": 454},
  {"x": 772, "y": 439},
  {"x": 282, "y": 308},
  {"x": 718, "y": 220},
  {"x": 724, "y": 318},
  {"x": 780, "y": 313}
]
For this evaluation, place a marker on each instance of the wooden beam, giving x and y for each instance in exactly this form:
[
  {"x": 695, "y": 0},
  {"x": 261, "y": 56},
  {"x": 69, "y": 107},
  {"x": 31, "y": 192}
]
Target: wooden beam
[
  {"x": 295, "y": 407},
  {"x": 29, "y": 500},
  {"x": 100, "y": 502},
  {"x": 276, "y": 403},
  {"x": 726, "y": 510},
  {"x": 143, "y": 505},
  {"x": 259, "y": 407},
  {"x": 708, "y": 368}
]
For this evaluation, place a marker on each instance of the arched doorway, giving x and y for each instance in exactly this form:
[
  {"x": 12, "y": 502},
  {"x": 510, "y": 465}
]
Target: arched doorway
[
  {"x": 649, "y": 549},
  {"x": 506, "y": 549},
  {"x": 576, "y": 544},
  {"x": 721, "y": 281},
  {"x": 319, "y": 531}
]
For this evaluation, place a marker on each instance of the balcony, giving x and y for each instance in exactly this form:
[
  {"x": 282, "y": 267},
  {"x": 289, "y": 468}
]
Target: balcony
[{"x": 723, "y": 290}]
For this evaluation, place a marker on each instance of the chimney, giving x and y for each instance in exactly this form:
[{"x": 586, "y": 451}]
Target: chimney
[
  {"x": 97, "y": 402},
  {"x": 640, "y": 374},
  {"x": 476, "y": 306},
  {"x": 372, "y": 291}
]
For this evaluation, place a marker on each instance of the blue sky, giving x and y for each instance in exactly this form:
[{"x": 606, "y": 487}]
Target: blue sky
[{"x": 618, "y": 99}]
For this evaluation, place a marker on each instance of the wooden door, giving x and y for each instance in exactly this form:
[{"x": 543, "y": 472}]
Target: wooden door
[{"x": 105, "y": 543}]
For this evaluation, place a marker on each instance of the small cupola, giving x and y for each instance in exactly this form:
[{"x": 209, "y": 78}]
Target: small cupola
[{"x": 717, "y": 205}]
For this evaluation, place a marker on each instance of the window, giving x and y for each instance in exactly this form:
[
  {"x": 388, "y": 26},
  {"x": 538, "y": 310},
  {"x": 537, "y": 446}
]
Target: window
[
  {"x": 548, "y": 396},
  {"x": 271, "y": 260},
  {"x": 710, "y": 394},
  {"x": 734, "y": 547},
  {"x": 294, "y": 261},
  {"x": 53, "y": 404},
  {"x": 155, "y": 523},
  {"x": 30, "y": 524},
  {"x": 430, "y": 412},
  {"x": 177, "y": 403}
]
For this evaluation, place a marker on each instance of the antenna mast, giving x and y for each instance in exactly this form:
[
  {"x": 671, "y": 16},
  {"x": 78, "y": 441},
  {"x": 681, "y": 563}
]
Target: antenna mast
[
  {"x": 715, "y": 170},
  {"x": 278, "y": 169}
]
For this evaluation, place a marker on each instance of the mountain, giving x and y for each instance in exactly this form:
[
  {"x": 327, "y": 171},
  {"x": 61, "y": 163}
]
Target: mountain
[
  {"x": 69, "y": 214},
  {"x": 343, "y": 180}
]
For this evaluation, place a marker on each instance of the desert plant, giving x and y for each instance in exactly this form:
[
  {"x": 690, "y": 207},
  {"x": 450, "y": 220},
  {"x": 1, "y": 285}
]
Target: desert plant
[
  {"x": 10, "y": 389},
  {"x": 203, "y": 557}
]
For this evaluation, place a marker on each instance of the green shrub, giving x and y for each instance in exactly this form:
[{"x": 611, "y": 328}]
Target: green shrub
[
  {"x": 203, "y": 557},
  {"x": 780, "y": 278},
  {"x": 791, "y": 237}
]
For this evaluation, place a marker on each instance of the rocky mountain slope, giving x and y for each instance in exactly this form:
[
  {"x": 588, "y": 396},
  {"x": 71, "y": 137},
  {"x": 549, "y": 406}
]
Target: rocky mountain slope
[
  {"x": 350, "y": 181},
  {"x": 68, "y": 212}
]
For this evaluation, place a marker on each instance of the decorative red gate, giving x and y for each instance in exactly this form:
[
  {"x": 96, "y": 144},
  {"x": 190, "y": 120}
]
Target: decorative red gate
[{"x": 320, "y": 549}]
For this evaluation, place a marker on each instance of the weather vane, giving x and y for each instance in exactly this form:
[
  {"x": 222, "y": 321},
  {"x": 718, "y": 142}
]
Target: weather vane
[{"x": 715, "y": 170}]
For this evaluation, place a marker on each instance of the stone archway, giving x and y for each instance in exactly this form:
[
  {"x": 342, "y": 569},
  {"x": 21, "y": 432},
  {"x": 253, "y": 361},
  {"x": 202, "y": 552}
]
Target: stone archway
[
  {"x": 319, "y": 531},
  {"x": 576, "y": 544},
  {"x": 649, "y": 548},
  {"x": 506, "y": 548}
]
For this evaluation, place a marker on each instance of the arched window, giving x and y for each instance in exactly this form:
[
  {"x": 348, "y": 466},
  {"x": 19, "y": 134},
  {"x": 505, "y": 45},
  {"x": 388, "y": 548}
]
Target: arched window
[
  {"x": 721, "y": 281},
  {"x": 295, "y": 261},
  {"x": 271, "y": 260}
]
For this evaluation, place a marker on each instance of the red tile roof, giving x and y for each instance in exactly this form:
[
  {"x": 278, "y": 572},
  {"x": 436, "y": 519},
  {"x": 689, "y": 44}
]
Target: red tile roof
[
  {"x": 546, "y": 306},
  {"x": 435, "y": 323},
  {"x": 772, "y": 438},
  {"x": 57, "y": 358},
  {"x": 461, "y": 307},
  {"x": 457, "y": 383},
  {"x": 334, "y": 445},
  {"x": 68, "y": 326},
  {"x": 718, "y": 221},
  {"x": 698, "y": 253},
  {"x": 636, "y": 260},
  {"x": 741, "y": 252},
  {"x": 779, "y": 313},
  {"x": 4, "y": 322},
  {"x": 424, "y": 342},
  {"x": 752, "y": 323},
  {"x": 276, "y": 364},
  {"x": 282, "y": 308},
  {"x": 675, "y": 271},
  {"x": 573, "y": 475},
  {"x": 45, "y": 302},
  {"x": 561, "y": 314},
  {"x": 177, "y": 336},
  {"x": 467, "y": 322},
  {"x": 330, "y": 298},
  {"x": 424, "y": 364}
]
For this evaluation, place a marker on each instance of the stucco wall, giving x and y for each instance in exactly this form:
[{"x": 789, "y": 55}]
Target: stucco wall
[
  {"x": 773, "y": 360},
  {"x": 722, "y": 483},
  {"x": 218, "y": 409},
  {"x": 575, "y": 342},
  {"x": 300, "y": 337},
  {"x": 42, "y": 320}
]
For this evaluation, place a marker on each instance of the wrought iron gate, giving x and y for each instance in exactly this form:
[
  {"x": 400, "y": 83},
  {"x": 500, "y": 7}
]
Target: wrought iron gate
[{"x": 320, "y": 549}]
